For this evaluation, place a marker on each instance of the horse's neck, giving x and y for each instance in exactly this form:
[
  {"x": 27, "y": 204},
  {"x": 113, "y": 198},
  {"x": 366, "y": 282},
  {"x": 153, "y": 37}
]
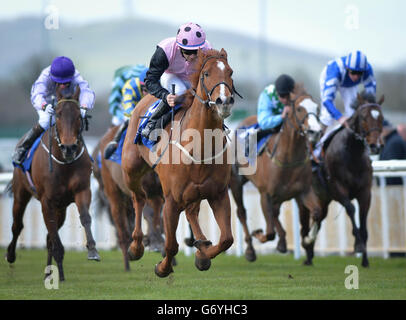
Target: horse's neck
[
  {"x": 200, "y": 117},
  {"x": 354, "y": 145},
  {"x": 294, "y": 144}
]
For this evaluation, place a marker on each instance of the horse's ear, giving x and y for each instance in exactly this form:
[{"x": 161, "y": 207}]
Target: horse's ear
[
  {"x": 359, "y": 98},
  {"x": 77, "y": 93},
  {"x": 223, "y": 53},
  {"x": 381, "y": 100}
]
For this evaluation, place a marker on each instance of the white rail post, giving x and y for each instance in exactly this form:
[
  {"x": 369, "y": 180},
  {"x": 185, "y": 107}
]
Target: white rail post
[
  {"x": 384, "y": 217},
  {"x": 296, "y": 229}
]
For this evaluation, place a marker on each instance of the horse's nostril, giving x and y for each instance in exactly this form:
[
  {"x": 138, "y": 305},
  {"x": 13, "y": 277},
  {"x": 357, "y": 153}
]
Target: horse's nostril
[
  {"x": 231, "y": 100},
  {"x": 219, "y": 101}
]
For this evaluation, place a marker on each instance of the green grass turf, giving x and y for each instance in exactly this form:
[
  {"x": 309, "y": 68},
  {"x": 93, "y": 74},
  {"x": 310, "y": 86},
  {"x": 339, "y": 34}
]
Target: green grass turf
[{"x": 228, "y": 278}]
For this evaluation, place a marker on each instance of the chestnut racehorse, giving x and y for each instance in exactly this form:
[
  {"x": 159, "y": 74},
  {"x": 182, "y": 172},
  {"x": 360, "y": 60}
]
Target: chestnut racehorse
[
  {"x": 346, "y": 172},
  {"x": 68, "y": 182},
  {"x": 283, "y": 172},
  {"x": 112, "y": 186},
  {"x": 186, "y": 183}
]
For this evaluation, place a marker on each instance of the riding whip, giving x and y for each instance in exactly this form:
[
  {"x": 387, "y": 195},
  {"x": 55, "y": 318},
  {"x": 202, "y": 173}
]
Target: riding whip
[{"x": 50, "y": 134}]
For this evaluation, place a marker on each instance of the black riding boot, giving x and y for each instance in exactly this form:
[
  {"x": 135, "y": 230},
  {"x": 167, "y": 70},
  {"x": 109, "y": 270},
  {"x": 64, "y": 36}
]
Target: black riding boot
[
  {"x": 160, "y": 110},
  {"x": 26, "y": 143},
  {"x": 112, "y": 145}
]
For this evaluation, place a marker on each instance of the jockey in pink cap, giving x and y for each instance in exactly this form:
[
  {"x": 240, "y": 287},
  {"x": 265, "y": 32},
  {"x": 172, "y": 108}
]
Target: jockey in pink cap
[{"x": 172, "y": 63}]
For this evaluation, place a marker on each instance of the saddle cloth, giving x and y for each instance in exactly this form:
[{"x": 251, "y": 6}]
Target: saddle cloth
[{"x": 146, "y": 142}]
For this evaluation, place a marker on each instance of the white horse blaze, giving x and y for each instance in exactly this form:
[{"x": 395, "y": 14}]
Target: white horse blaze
[
  {"x": 221, "y": 66},
  {"x": 375, "y": 114}
]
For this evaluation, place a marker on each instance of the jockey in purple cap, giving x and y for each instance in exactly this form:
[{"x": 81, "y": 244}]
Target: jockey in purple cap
[
  {"x": 61, "y": 73},
  {"x": 173, "y": 63}
]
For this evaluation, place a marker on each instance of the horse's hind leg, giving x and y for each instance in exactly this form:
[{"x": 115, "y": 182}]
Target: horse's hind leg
[
  {"x": 136, "y": 249},
  {"x": 21, "y": 198},
  {"x": 118, "y": 212},
  {"x": 171, "y": 218},
  {"x": 236, "y": 185},
  {"x": 156, "y": 241}
]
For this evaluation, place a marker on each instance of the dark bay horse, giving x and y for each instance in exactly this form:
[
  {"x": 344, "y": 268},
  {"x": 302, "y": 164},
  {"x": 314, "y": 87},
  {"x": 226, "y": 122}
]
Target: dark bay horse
[
  {"x": 111, "y": 182},
  {"x": 68, "y": 182},
  {"x": 283, "y": 172},
  {"x": 346, "y": 173},
  {"x": 186, "y": 183}
]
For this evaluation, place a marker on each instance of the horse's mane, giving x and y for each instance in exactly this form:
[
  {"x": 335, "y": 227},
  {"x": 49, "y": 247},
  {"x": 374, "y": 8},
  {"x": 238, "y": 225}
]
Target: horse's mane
[
  {"x": 194, "y": 78},
  {"x": 364, "y": 97},
  {"x": 299, "y": 90}
]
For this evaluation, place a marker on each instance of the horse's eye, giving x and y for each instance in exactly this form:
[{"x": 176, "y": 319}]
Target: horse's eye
[{"x": 206, "y": 73}]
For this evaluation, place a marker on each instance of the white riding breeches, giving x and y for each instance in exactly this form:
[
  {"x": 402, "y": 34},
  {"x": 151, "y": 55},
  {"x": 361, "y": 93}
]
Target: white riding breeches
[{"x": 167, "y": 79}]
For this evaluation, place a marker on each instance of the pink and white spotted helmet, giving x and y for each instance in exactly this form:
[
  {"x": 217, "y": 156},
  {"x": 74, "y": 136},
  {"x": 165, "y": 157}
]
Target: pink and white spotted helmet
[{"x": 190, "y": 36}]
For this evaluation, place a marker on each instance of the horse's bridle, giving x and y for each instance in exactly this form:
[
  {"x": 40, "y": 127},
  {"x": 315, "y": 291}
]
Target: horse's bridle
[
  {"x": 209, "y": 102},
  {"x": 79, "y": 137},
  {"x": 363, "y": 133}
]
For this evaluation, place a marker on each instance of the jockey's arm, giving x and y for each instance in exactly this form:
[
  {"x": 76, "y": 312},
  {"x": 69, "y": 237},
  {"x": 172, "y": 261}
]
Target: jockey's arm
[
  {"x": 87, "y": 96},
  {"x": 369, "y": 81},
  {"x": 266, "y": 119},
  {"x": 159, "y": 63},
  {"x": 328, "y": 90},
  {"x": 39, "y": 91}
]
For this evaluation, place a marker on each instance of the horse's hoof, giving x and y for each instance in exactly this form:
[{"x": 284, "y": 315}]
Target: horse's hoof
[
  {"x": 365, "y": 263},
  {"x": 281, "y": 247},
  {"x": 162, "y": 274},
  {"x": 93, "y": 255},
  {"x": 307, "y": 263},
  {"x": 198, "y": 243},
  {"x": 250, "y": 255},
  {"x": 10, "y": 258},
  {"x": 134, "y": 254},
  {"x": 202, "y": 264},
  {"x": 174, "y": 262},
  {"x": 189, "y": 242}
]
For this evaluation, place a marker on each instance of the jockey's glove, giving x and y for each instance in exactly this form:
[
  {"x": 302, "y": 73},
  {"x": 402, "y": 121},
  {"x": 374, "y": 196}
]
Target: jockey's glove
[
  {"x": 83, "y": 111},
  {"x": 50, "y": 109}
]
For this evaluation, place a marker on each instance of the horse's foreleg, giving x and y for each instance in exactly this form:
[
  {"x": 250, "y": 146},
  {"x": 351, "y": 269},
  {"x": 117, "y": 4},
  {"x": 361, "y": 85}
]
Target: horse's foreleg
[
  {"x": 21, "y": 198},
  {"x": 364, "y": 202},
  {"x": 202, "y": 262},
  {"x": 136, "y": 249},
  {"x": 236, "y": 186},
  {"x": 171, "y": 214},
  {"x": 281, "y": 246},
  {"x": 310, "y": 201},
  {"x": 60, "y": 215},
  {"x": 267, "y": 209},
  {"x": 52, "y": 221},
  {"x": 304, "y": 216},
  {"x": 222, "y": 213},
  {"x": 82, "y": 200}
]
